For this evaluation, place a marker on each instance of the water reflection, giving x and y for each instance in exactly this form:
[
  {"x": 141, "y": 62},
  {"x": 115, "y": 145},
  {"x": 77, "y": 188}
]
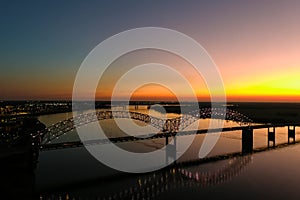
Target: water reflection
[
  {"x": 152, "y": 185},
  {"x": 275, "y": 170}
]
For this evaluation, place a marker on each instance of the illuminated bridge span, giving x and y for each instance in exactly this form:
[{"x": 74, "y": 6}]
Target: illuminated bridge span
[
  {"x": 170, "y": 125},
  {"x": 150, "y": 186}
]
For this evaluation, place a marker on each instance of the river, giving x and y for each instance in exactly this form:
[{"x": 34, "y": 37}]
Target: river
[{"x": 75, "y": 173}]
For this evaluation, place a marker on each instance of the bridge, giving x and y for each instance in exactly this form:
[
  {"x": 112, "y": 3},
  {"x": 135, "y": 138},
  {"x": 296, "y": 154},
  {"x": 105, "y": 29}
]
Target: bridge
[{"x": 171, "y": 125}]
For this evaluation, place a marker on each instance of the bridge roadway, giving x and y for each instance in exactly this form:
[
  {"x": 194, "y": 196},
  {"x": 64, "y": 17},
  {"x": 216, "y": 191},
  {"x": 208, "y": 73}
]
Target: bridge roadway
[{"x": 52, "y": 146}]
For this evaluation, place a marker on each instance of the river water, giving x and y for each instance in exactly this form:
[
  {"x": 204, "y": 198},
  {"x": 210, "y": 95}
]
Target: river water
[{"x": 75, "y": 173}]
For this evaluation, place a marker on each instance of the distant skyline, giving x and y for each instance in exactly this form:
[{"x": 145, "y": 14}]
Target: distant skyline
[{"x": 255, "y": 44}]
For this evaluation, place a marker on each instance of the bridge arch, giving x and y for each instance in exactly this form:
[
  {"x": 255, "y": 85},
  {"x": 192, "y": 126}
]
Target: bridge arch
[{"x": 170, "y": 125}]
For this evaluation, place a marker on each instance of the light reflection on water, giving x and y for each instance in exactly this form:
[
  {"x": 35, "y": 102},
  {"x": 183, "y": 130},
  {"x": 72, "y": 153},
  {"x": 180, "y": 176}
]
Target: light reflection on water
[
  {"x": 273, "y": 174},
  {"x": 265, "y": 172}
]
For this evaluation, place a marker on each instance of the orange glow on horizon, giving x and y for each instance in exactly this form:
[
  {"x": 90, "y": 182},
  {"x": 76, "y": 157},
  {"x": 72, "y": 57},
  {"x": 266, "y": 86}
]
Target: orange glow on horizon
[
  {"x": 157, "y": 92},
  {"x": 153, "y": 92},
  {"x": 270, "y": 98}
]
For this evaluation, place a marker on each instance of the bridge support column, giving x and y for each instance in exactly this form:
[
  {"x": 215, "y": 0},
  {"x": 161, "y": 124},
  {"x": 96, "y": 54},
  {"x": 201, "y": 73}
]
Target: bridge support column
[
  {"x": 292, "y": 133},
  {"x": 171, "y": 151},
  {"x": 247, "y": 140},
  {"x": 167, "y": 140},
  {"x": 271, "y": 136},
  {"x": 49, "y": 137}
]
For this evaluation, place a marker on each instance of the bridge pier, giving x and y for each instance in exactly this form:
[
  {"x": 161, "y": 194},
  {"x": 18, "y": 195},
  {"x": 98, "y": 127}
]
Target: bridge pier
[
  {"x": 49, "y": 136},
  {"x": 171, "y": 150},
  {"x": 292, "y": 133},
  {"x": 271, "y": 136},
  {"x": 247, "y": 140},
  {"x": 167, "y": 140}
]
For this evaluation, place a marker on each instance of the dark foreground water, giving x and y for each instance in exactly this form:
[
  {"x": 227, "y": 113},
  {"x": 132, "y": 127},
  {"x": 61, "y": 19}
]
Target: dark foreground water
[
  {"x": 267, "y": 175},
  {"x": 75, "y": 174}
]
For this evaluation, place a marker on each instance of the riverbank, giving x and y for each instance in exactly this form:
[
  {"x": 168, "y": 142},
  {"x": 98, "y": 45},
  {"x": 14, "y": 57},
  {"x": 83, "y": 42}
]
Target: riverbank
[{"x": 18, "y": 159}]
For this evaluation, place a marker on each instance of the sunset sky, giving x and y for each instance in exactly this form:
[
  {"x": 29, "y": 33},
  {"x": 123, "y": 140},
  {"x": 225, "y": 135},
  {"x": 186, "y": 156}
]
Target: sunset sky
[{"x": 255, "y": 44}]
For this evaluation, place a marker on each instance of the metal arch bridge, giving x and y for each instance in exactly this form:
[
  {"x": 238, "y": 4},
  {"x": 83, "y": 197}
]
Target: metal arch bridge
[{"x": 170, "y": 125}]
